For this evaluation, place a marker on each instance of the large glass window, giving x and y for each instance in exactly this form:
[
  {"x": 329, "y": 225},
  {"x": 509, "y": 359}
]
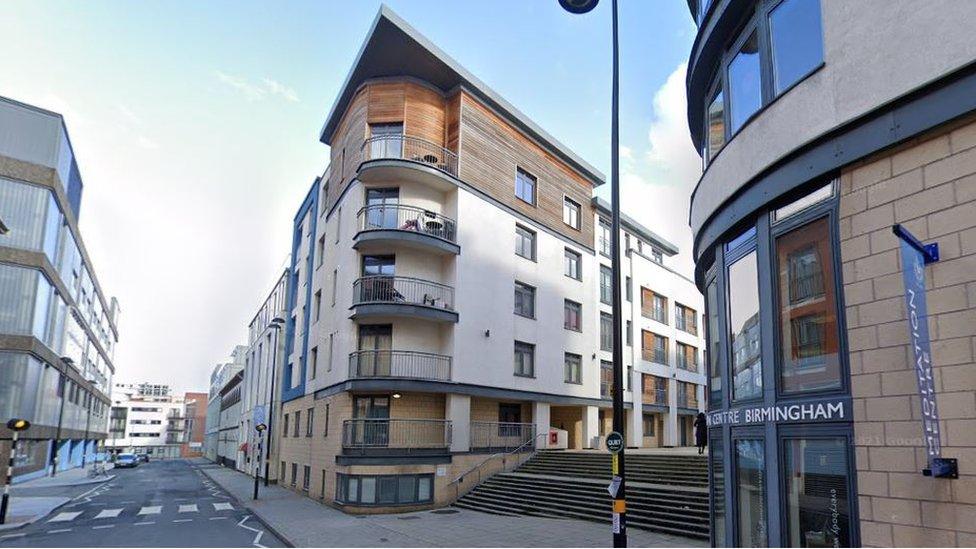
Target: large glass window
[
  {"x": 24, "y": 210},
  {"x": 715, "y": 139},
  {"x": 816, "y": 479},
  {"x": 384, "y": 489},
  {"x": 750, "y": 485},
  {"x": 808, "y": 315},
  {"x": 606, "y": 332},
  {"x": 744, "y": 328},
  {"x": 796, "y": 41},
  {"x": 606, "y": 285},
  {"x": 20, "y": 376},
  {"x": 603, "y": 235},
  {"x": 716, "y": 455},
  {"x": 745, "y": 86},
  {"x": 714, "y": 347}
]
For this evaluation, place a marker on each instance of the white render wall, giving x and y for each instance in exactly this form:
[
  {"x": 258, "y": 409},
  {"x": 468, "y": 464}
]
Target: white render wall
[{"x": 165, "y": 406}]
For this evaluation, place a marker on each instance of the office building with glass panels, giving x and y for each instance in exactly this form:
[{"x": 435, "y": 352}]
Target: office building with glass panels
[
  {"x": 58, "y": 329},
  {"x": 821, "y": 125}
]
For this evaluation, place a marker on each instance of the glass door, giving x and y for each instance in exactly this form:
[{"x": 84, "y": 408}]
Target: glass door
[
  {"x": 386, "y": 140},
  {"x": 376, "y": 341},
  {"x": 379, "y": 285},
  {"x": 381, "y": 208},
  {"x": 373, "y": 429}
]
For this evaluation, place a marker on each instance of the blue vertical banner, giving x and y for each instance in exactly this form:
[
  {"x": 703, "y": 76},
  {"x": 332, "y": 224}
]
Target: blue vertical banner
[{"x": 913, "y": 273}]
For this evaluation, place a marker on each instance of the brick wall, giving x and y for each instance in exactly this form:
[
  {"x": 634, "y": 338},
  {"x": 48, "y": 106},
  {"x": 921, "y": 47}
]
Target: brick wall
[{"x": 929, "y": 186}]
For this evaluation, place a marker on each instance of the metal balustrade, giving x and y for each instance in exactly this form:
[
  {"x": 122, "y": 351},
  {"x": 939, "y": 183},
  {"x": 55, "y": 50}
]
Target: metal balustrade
[
  {"x": 396, "y": 433},
  {"x": 502, "y": 436},
  {"x": 656, "y": 396},
  {"x": 400, "y": 217},
  {"x": 685, "y": 363},
  {"x": 403, "y": 290},
  {"x": 414, "y": 149},
  {"x": 659, "y": 356},
  {"x": 404, "y": 364}
]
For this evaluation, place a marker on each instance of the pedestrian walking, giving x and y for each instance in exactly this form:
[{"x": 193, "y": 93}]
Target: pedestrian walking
[{"x": 701, "y": 432}]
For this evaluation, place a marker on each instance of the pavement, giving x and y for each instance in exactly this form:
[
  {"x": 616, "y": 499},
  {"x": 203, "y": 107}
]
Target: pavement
[
  {"x": 36, "y": 498},
  {"x": 304, "y": 522},
  {"x": 157, "y": 504}
]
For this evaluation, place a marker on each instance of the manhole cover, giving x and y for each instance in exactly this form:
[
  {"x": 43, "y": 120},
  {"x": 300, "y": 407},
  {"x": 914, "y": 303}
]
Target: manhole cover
[{"x": 445, "y": 511}]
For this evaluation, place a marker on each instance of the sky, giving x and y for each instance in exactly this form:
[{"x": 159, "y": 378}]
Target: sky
[{"x": 195, "y": 126}]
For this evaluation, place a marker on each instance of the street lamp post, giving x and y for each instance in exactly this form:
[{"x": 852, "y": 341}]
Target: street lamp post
[
  {"x": 260, "y": 428},
  {"x": 276, "y": 324},
  {"x": 619, "y": 499}
]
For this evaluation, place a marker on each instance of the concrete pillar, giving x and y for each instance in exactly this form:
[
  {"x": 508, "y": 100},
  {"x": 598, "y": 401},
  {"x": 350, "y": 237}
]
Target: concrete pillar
[
  {"x": 458, "y": 411},
  {"x": 671, "y": 417},
  {"x": 591, "y": 427},
  {"x": 540, "y": 416}
]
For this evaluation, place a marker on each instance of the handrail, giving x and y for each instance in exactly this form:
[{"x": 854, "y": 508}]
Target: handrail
[
  {"x": 402, "y": 217},
  {"x": 457, "y": 481},
  {"x": 414, "y": 149}
]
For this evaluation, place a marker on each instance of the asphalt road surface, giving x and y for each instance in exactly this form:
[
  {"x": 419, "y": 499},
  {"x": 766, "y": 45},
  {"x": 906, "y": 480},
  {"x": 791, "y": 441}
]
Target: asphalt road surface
[{"x": 158, "y": 504}]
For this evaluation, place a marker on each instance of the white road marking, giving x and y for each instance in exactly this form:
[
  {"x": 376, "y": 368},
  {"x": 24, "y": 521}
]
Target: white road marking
[
  {"x": 22, "y": 534},
  {"x": 151, "y": 510},
  {"x": 189, "y": 508},
  {"x": 260, "y": 533},
  {"x": 222, "y": 506},
  {"x": 65, "y": 517},
  {"x": 103, "y": 526},
  {"x": 217, "y": 518},
  {"x": 143, "y": 523},
  {"x": 59, "y": 531},
  {"x": 108, "y": 513},
  {"x": 183, "y": 520}
]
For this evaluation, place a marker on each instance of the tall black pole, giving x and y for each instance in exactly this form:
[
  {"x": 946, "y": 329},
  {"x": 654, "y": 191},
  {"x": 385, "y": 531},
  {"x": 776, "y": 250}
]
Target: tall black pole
[
  {"x": 9, "y": 477},
  {"x": 84, "y": 441},
  {"x": 619, "y": 505},
  {"x": 267, "y": 450},
  {"x": 57, "y": 435}
]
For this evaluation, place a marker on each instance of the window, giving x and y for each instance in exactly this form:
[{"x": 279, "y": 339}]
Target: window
[
  {"x": 524, "y": 242},
  {"x": 654, "y": 347},
  {"x": 338, "y": 223},
  {"x": 603, "y": 236},
  {"x": 744, "y": 328},
  {"x": 687, "y": 394},
  {"x": 284, "y": 432},
  {"x": 335, "y": 284},
  {"x": 306, "y": 477},
  {"x": 657, "y": 256},
  {"x": 325, "y": 431},
  {"x": 629, "y": 333},
  {"x": 386, "y": 140},
  {"x": 524, "y": 300},
  {"x": 823, "y": 193},
  {"x": 687, "y": 357},
  {"x": 574, "y": 368},
  {"x": 314, "y": 360},
  {"x": 318, "y": 305},
  {"x": 297, "y": 424},
  {"x": 714, "y": 346},
  {"x": 745, "y": 87},
  {"x": 571, "y": 213},
  {"x": 320, "y": 252},
  {"x": 525, "y": 186},
  {"x": 606, "y": 379},
  {"x": 796, "y": 41},
  {"x": 281, "y": 471},
  {"x": 629, "y": 289},
  {"x": 572, "y": 316},
  {"x": 384, "y": 490},
  {"x": 716, "y": 454},
  {"x": 654, "y": 306},
  {"x": 606, "y": 332},
  {"x": 685, "y": 319},
  {"x": 328, "y": 364},
  {"x": 294, "y": 474},
  {"x": 750, "y": 479},
  {"x": 817, "y": 509},
  {"x": 649, "y": 424},
  {"x": 309, "y": 422},
  {"x": 524, "y": 359},
  {"x": 606, "y": 285},
  {"x": 572, "y": 264},
  {"x": 715, "y": 128},
  {"x": 808, "y": 330}
]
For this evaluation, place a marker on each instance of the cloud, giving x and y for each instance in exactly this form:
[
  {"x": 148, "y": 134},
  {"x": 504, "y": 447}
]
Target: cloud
[
  {"x": 656, "y": 183},
  {"x": 127, "y": 113},
  {"x": 146, "y": 143},
  {"x": 259, "y": 90}
]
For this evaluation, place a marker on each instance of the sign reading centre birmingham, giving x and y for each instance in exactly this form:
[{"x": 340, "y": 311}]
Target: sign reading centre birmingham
[
  {"x": 824, "y": 410},
  {"x": 913, "y": 272}
]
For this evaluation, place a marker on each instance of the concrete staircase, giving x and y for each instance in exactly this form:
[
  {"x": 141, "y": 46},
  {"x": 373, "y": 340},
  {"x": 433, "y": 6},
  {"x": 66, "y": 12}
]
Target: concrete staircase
[{"x": 665, "y": 493}]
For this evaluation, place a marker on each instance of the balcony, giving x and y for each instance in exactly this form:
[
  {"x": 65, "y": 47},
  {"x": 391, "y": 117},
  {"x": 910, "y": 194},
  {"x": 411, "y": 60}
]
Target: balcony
[
  {"x": 396, "y": 436},
  {"x": 685, "y": 363},
  {"x": 659, "y": 314},
  {"x": 385, "y": 225},
  {"x": 659, "y": 356},
  {"x": 685, "y": 325},
  {"x": 407, "y": 158},
  {"x": 399, "y": 364},
  {"x": 495, "y": 436},
  {"x": 381, "y": 296},
  {"x": 656, "y": 396}
]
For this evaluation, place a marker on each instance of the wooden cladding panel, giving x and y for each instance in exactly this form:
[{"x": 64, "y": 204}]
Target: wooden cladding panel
[
  {"x": 347, "y": 146},
  {"x": 424, "y": 114},
  {"x": 385, "y": 102},
  {"x": 452, "y": 124},
  {"x": 491, "y": 150}
]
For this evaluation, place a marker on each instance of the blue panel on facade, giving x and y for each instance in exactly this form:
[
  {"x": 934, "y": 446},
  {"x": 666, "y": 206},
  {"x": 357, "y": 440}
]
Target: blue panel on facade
[
  {"x": 75, "y": 187},
  {"x": 290, "y": 390}
]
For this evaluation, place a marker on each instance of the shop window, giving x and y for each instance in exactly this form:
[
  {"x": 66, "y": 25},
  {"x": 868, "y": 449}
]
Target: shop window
[
  {"x": 796, "y": 41},
  {"x": 717, "y": 456},
  {"x": 750, "y": 481},
  {"x": 384, "y": 489},
  {"x": 714, "y": 346},
  {"x": 745, "y": 86},
  {"x": 745, "y": 329},
  {"x": 808, "y": 315},
  {"x": 816, "y": 479}
]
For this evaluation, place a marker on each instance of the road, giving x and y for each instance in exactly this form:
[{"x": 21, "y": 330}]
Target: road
[{"x": 158, "y": 504}]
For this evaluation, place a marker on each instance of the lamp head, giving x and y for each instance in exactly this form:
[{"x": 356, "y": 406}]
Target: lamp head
[
  {"x": 578, "y": 6},
  {"x": 18, "y": 424}
]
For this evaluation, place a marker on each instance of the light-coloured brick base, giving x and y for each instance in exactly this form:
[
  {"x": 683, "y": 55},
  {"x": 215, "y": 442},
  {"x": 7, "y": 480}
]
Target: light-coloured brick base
[{"x": 929, "y": 186}]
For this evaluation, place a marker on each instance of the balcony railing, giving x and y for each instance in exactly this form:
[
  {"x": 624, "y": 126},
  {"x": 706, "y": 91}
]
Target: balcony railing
[
  {"x": 396, "y": 433},
  {"x": 406, "y": 364},
  {"x": 656, "y": 396},
  {"x": 401, "y": 289},
  {"x": 685, "y": 325},
  {"x": 415, "y": 149},
  {"x": 685, "y": 363},
  {"x": 659, "y": 356},
  {"x": 686, "y": 401},
  {"x": 407, "y": 218},
  {"x": 659, "y": 314},
  {"x": 502, "y": 436}
]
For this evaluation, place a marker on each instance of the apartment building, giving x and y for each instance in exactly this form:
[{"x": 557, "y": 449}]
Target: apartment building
[
  {"x": 58, "y": 328},
  {"x": 418, "y": 342},
  {"x": 215, "y": 445},
  {"x": 821, "y": 126},
  {"x": 195, "y": 405},
  {"x": 262, "y": 383},
  {"x": 146, "y": 418},
  {"x": 229, "y": 447}
]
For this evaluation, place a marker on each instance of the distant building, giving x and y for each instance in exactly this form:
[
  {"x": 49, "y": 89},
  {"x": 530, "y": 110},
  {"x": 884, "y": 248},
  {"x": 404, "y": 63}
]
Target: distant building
[
  {"x": 229, "y": 446},
  {"x": 196, "y": 420},
  {"x": 222, "y": 375},
  {"x": 146, "y": 418},
  {"x": 58, "y": 328}
]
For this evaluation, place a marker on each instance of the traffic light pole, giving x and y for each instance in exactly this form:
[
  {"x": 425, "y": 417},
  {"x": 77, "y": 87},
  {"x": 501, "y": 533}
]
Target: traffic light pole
[{"x": 10, "y": 475}]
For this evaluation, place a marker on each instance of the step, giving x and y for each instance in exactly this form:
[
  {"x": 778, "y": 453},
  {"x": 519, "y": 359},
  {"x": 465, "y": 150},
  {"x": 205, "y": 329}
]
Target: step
[
  {"x": 673, "y": 512},
  {"x": 637, "y": 493}
]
